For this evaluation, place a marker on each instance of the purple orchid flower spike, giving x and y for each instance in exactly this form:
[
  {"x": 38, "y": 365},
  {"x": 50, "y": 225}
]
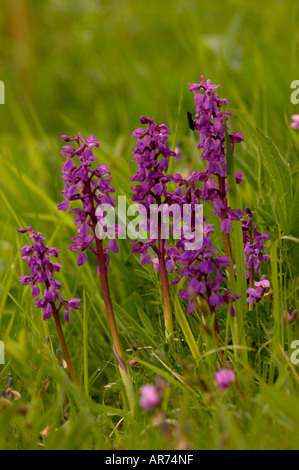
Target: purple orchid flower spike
[
  {"x": 210, "y": 122},
  {"x": 152, "y": 154},
  {"x": 201, "y": 268},
  {"x": 42, "y": 271},
  {"x": 90, "y": 185}
]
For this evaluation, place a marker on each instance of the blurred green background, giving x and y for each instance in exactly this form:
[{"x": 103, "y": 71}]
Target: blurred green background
[{"x": 101, "y": 64}]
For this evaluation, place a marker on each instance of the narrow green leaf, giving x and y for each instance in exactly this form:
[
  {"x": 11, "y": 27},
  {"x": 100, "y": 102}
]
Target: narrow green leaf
[
  {"x": 279, "y": 173},
  {"x": 183, "y": 322},
  {"x": 85, "y": 344},
  {"x": 237, "y": 285}
]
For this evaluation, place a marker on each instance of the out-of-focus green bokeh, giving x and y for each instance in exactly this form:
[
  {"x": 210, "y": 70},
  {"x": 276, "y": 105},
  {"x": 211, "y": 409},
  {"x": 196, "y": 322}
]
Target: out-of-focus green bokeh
[{"x": 99, "y": 65}]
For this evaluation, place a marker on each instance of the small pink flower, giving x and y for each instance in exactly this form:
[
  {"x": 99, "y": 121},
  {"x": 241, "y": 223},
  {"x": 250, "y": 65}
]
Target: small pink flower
[
  {"x": 224, "y": 377},
  {"x": 150, "y": 397},
  {"x": 289, "y": 317},
  {"x": 264, "y": 283},
  {"x": 295, "y": 124}
]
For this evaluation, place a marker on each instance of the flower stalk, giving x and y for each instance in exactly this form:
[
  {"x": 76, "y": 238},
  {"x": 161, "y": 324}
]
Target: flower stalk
[
  {"x": 64, "y": 346},
  {"x": 152, "y": 155},
  {"x": 225, "y": 236},
  {"x": 107, "y": 299},
  {"x": 168, "y": 316},
  {"x": 82, "y": 183},
  {"x": 117, "y": 347}
]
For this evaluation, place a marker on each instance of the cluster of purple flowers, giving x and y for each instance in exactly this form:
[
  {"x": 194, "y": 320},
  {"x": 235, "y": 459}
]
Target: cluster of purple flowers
[
  {"x": 210, "y": 121},
  {"x": 203, "y": 269},
  {"x": 42, "y": 272},
  {"x": 151, "y": 145},
  {"x": 91, "y": 187},
  {"x": 210, "y": 125},
  {"x": 152, "y": 155}
]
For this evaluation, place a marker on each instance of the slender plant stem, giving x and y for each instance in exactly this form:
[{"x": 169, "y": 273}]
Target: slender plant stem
[
  {"x": 111, "y": 317},
  {"x": 107, "y": 299},
  {"x": 62, "y": 341},
  {"x": 212, "y": 311},
  {"x": 225, "y": 236},
  {"x": 168, "y": 316},
  {"x": 216, "y": 327},
  {"x": 104, "y": 280},
  {"x": 63, "y": 344}
]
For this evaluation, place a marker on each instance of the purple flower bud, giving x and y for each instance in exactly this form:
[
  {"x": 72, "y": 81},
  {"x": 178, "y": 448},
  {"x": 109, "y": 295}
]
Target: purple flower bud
[
  {"x": 82, "y": 258},
  {"x": 239, "y": 177}
]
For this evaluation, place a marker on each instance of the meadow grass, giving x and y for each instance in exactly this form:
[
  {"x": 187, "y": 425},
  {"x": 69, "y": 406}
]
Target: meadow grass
[{"x": 125, "y": 60}]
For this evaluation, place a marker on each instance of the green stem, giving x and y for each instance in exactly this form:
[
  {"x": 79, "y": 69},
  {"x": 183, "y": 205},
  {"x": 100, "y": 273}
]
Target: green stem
[
  {"x": 225, "y": 236},
  {"x": 107, "y": 299},
  {"x": 111, "y": 320},
  {"x": 168, "y": 316}
]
